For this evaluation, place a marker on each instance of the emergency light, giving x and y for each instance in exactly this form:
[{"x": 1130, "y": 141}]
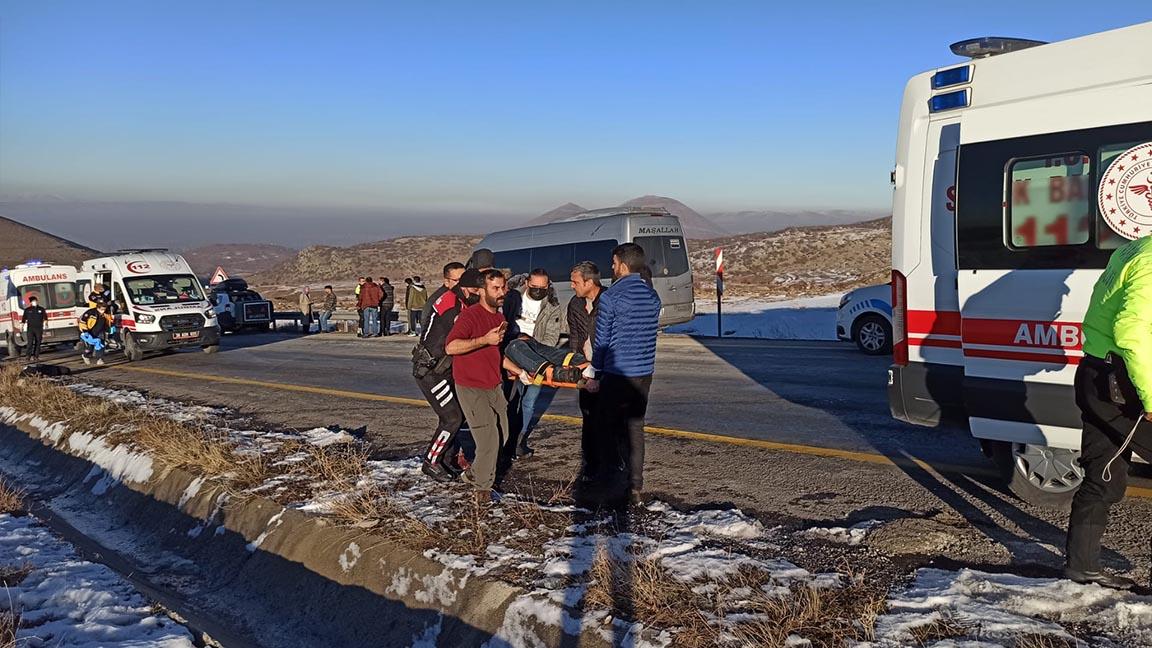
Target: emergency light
[
  {"x": 952, "y": 77},
  {"x": 991, "y": 46},
  {"x": 948, "y": 101}
]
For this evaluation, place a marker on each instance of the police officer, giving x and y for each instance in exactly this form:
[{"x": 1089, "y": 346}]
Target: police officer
[
  {"x": 432, "y": 368},
  {"x": 1114, "y": 393},
  {"x": 33, "y": 320}
]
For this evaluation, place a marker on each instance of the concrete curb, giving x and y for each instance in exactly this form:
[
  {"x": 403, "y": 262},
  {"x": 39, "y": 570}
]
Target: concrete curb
[{"x": 279, "y": 576}]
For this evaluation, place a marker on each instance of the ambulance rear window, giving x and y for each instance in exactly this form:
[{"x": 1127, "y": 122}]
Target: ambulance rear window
[{"x": 1050, "y": 200}]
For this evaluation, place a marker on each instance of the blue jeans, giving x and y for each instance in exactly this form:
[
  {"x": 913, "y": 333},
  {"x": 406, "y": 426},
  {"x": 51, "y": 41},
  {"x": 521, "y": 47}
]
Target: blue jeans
[
  {"x": 324, "y": 315},
  {"x": 532, "y": 356},
  {"x": 534, "y": 402},
  {"x": 371, "y": 321}
]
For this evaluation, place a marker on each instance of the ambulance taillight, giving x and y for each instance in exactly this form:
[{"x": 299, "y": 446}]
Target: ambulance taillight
[{"x": 899, "y": 319}]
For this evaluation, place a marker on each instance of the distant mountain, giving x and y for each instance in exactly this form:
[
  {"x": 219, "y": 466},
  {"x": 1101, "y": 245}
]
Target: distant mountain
[
  {"x": 745, "y": 222},
  {"x": 563, "y": 211},
  {"x": 695, "y": 225},
  {"x": 237, "y": 259},
  {"x": 19, "y": 243}
]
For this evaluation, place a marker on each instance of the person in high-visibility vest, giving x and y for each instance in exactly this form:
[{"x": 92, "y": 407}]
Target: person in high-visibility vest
[{"x": 1114, "y": 392}]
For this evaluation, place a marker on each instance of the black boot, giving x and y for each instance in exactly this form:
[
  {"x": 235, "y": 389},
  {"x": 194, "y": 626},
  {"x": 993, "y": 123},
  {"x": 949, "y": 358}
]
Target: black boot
[{"x": 1099, "y": 578}]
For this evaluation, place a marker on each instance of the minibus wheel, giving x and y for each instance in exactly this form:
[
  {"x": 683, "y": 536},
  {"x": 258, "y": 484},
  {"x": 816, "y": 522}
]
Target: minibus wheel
[{"x": 1040, "y": 475}]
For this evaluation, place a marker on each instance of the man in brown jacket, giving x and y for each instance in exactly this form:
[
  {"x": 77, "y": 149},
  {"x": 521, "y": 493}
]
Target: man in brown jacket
[{"x": 369, "y": 302}]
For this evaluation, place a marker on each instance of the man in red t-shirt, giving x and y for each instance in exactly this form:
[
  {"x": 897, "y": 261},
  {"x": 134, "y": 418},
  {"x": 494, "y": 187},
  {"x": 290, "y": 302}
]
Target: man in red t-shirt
[{"x": 474, "y": 344}]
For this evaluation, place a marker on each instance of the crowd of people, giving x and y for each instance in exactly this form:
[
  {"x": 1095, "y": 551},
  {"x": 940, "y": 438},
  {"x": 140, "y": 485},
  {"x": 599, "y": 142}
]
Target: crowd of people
[
  {"x": 496, "y": 349},
  {"x": 375, "y": 307},
  {"x": 493, "y": 351}
]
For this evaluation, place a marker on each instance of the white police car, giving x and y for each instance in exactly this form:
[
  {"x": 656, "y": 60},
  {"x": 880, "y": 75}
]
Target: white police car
[{"x": 865, "y": 317}]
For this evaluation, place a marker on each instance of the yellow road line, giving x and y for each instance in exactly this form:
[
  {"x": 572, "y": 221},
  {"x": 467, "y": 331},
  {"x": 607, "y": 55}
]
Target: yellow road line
[{"x": 794, "y": 448}]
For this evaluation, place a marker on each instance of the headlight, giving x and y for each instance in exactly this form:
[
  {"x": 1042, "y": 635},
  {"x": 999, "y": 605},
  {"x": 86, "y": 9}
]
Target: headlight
[
  {"x": 145, "y": 319},
  {"x": 844, "y": 300},
  {"x": 209, "y": 313}
]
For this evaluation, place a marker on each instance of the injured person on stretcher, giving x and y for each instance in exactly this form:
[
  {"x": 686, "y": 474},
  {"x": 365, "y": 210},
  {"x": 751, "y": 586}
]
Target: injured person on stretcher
[{"x": 534, "y": 363}]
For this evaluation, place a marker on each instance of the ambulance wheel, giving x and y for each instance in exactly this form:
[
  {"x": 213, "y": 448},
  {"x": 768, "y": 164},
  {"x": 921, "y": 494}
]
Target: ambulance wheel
[
  {"x": 212, "y": 348},
  {"x": 13, "y": 348},
  {"x": 132, "y": 351},
  {"x": 1040, "y": 475},
  {"x": 872, "y": 334}
]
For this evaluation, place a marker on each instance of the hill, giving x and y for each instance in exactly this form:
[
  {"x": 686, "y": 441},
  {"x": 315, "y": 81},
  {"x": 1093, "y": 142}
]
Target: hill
[
  {"x": 798, "y": 261},
  {"x": 238, "y": 259},
  {"x": 19, "y": 243},
  {"x": 396, "y": 259},
  {"x": 695, "y": 225},
  {"x": 746, "y": 222}
]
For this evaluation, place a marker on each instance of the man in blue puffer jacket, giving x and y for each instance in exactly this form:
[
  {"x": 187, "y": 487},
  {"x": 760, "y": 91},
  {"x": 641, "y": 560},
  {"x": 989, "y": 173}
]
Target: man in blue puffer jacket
[{"x": 623, "y": 359}]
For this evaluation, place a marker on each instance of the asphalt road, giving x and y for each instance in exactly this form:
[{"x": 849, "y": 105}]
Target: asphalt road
[
  {"x": 824, "y": 394},
  {"x": 815, "y": 414}
]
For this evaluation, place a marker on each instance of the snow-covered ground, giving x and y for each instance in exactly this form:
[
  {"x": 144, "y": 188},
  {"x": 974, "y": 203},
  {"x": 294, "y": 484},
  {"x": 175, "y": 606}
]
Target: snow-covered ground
[
  {"x": 811, "y": 318},
  {"x": 67, "y": 601},
  {"x": 553, "y": 549}
]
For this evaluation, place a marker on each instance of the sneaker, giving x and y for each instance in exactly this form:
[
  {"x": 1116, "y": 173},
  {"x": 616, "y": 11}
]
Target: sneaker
[
  {"x": 523, "y": 450},
  {"x": 86, "y": 359},
  {"x": 100, "y": 362},
  {"x": 568, "y": 375},
  {"x": 1099, "y": 578},
  {"x": 467, "y": 477}
]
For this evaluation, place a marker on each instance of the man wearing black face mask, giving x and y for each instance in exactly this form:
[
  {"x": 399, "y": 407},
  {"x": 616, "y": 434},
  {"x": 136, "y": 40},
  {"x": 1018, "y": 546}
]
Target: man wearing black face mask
[
  {"x": 533, "y": 311},
  {"x": 432, "y": 368}
]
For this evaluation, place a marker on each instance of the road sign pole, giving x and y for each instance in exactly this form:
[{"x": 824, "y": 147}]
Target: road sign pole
[{"x": 719, "y": 292}]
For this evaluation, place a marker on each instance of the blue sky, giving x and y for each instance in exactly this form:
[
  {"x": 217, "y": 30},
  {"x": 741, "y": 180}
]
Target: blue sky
[{"x": 479, "y": 106}]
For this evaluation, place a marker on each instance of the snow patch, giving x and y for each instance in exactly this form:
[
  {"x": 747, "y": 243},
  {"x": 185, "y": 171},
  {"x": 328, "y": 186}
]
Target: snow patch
[
  {"x": 191, "y": 491},
  {"x": 812, "y": 318},
  {"x": 67, "y": 601},
  {"x": 120, "y": 462},
  {"x": 851, "y": 536},
  {"x": 273, "y": 523},
  {"x": 349, "y": 557}
]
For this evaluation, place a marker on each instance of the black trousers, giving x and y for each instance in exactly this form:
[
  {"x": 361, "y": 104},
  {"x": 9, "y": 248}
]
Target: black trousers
[
  {"x": 1106, "y": 425},
  {"x": 34, "y": 339},
  {"x": 588, "y": 439},
  {"x": 621, "y": 408},
  {"x": 440, "y": 392}
]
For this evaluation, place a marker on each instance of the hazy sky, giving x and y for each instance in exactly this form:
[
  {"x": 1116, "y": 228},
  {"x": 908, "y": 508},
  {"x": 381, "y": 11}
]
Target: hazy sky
[{"x": 478, "y": 106}]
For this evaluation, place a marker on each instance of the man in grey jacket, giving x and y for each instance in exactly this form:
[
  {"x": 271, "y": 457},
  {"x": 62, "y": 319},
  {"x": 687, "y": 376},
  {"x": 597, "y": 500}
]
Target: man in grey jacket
[{"x": 532, "y": 310}]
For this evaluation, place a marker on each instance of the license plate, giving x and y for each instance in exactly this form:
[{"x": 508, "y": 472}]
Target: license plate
[
  {"x": 48, "y": 334},
  {"x": 186, "y": 336}
]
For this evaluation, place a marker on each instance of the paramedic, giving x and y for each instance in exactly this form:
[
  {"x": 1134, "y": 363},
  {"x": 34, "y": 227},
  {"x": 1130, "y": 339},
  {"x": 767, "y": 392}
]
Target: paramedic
[{"x": 1114, "y": 393}]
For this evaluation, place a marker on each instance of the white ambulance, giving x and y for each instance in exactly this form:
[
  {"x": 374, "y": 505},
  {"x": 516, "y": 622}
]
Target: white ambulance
[
  {"x": 160, "y": 301},
  {"x": 1003, "y": 163},
  {"x": 54, "y": 286}
]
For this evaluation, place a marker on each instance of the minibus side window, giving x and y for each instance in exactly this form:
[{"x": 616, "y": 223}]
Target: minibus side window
[
  {"x": 598, "y": 252},
  {"x": 556, "y": 259},
  {"x": 1050, "y": 200},
  {"x": 515, "y": 261}
]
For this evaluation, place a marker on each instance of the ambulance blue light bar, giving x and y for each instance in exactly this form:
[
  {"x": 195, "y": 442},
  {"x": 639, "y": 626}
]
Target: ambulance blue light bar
[
  {"x": 948, "y": 101},
  {"x": 953, "y": 77}
]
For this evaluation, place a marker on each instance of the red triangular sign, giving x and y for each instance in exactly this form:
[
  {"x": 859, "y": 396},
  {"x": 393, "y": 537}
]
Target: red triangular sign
[{"x": 218, "y": 276}]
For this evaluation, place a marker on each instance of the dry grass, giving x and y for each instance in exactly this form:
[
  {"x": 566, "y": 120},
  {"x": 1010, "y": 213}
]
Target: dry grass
[
  {"x": 9, "y": 624},
  {"x": 944, "y": 626},
  {"x": 13, "y": 575},
  {"x": 640, "y": 588},
  {"x": 1034, "y": 640},
  {"x": 11, "y": 498}
]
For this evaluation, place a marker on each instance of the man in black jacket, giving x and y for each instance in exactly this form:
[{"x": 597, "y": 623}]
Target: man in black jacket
[
  {"x": 581, "y": 331},
  {"x": 432, "y": 368},
  {"x": 33, "y": 320}
]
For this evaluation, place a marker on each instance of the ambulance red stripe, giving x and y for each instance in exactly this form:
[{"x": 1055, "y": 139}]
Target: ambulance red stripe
[{"x": 1053, "y": 358}]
